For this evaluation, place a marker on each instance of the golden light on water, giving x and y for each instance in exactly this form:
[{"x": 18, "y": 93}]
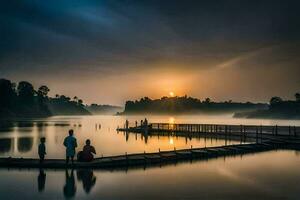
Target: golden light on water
[
  {"x": 171, "y": 141},
  {"x": 171, "y": 122}
]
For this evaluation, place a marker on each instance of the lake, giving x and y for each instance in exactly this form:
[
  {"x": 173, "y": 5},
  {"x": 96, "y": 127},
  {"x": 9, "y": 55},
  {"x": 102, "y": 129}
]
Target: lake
[{"x": 268, "y": 175}]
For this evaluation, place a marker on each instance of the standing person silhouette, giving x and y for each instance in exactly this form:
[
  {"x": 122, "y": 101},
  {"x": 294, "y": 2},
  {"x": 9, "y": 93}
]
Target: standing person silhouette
[{"x": 70, "y": 143}]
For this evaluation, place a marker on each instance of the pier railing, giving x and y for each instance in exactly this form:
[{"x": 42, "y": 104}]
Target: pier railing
[{"x": 223, "y": 128}]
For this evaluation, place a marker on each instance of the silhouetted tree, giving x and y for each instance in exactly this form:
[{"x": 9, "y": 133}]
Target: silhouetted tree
[
  {"x": 7, "y": 93},
  {"x": 75, "y": 98},
  {"x": 129, "y": 106},
  {"x": 297, "y": 97},
  {"x": 42, "y": 95},
  {"x": 26, "y": 92},
  {"x": 64, "y": 98},
  {"x": 43, "y": 91},
  {"x": 207, "y": 100},
  {"x": 275, "y": 100},
  {"x": 26, "y": 102}
]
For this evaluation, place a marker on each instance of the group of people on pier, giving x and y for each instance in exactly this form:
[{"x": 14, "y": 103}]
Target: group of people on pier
[
  {"x": 70, "y": 142},
  {"x": 144, "y": 123}
]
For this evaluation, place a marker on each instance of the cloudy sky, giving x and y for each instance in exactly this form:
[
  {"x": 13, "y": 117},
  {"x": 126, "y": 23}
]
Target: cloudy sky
[{"x": 108, "y": 51}]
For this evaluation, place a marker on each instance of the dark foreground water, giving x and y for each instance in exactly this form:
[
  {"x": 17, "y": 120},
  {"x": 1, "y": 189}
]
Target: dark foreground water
[{"x": 269, "y": 175}]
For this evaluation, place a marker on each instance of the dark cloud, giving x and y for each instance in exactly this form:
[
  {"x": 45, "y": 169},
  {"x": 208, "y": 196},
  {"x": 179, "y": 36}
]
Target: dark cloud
[{"x": 110, "y": 37}]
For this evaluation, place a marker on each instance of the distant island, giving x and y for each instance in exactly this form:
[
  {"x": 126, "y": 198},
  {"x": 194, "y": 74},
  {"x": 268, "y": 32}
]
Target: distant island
[
  {"x": 187, "y": 105},
  {"x": 63, "y": 105},
  {"x": 277, "y": 109},
  {"x": 23, "y": 101},
  {"x": 96, "y": 109}
]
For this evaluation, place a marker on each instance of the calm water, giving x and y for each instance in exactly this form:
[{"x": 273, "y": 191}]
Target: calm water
[
  {"x": 20, "y": 139},
  {"x": 269, "y": 175}
]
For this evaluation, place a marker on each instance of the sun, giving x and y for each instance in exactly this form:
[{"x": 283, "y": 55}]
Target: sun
[
  {"x": 171, "y": 120},
  {"x": 171, "y": 94}
]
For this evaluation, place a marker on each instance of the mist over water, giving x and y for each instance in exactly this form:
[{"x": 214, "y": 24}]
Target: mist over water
[{"x": 21, "y": 138}]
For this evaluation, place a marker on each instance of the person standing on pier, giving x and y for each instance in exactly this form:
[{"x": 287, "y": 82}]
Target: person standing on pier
[
  {"x": 142, "y": 123},
  {"x": 146, "y": 127},
  {"x": 146, "y": 122},
  {"x": 70, "y": 143},
  {"x": 42, "y": 149}
]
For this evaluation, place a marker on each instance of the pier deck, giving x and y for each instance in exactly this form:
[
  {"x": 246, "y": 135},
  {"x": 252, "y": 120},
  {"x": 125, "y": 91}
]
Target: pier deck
[
  {"x": 150, "y": 159},
  {"x": 191, "y": 130},
  {"x": 267, "y": 138}
]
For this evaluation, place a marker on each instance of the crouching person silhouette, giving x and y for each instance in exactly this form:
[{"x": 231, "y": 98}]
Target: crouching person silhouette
[{"x": 86, "y": 155}]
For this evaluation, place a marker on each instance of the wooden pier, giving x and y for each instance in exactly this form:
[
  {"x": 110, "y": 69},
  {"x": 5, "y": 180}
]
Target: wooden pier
[
  {"x": 270, "y": 138},
  {"x": 190, "y": 130},
  {"x": 152, "y": 159}
]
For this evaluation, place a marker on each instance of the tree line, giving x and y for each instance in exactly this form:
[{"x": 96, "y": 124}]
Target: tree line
[
  {"x": 285, "y": 107},
  {"x": 23, "y": 100},
  {"x": 277, "y": 109},
  {"x": 185, "y": 104}
]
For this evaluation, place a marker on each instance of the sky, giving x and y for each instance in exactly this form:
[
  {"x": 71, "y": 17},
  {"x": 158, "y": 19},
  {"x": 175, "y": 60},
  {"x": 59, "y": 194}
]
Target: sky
[{"x": 110, "y": 51}]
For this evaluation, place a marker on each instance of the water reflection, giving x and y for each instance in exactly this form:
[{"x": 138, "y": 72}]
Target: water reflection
[
  {"x": 6, "y": 145},
  {"x": 41, "y": 180},
  {"x": 25, "y": 144},
  {"x": 70, "y": 187},
  {"x": 101, "y": 129},
  {"x": 173, "y": 139},
  {"x": 86, "y": 176}
]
